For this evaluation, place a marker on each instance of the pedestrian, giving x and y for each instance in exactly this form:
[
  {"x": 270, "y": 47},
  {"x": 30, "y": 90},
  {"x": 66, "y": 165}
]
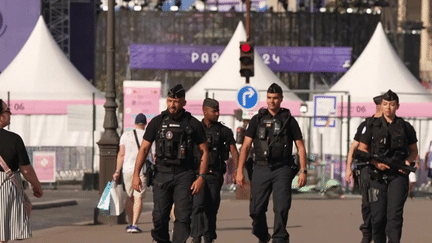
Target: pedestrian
[
  {"x": 428, "y": 164},
  {"x": 413, "y": 178},
  {"x": 220, "y": 142},
  {"x": 361, "y": 171},
  {"x": 272, "y": 132},
  {"x": 176, "y": 133},
  {"x": 14, "y": 219},
  {"x": 130, "y": 143},
  {"x": 394, "y": 138}
]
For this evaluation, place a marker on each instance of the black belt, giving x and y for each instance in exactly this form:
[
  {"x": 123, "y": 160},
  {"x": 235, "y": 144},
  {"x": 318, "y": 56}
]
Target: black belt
[
  {"x": 175, "y": 169},
  {"x": 276, "y": 164}
]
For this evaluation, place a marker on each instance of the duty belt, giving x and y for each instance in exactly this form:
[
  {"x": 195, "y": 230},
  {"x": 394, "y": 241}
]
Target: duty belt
[
  {"x": 175, "y": 169},
  {"x": 266, "y": 163}
]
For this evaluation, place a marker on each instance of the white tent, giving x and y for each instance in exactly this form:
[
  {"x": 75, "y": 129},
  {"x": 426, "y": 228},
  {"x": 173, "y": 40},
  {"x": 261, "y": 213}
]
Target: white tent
[
  {"x": 52, "y": 104},
  {"x": 223, "y": 80},
  {"x": 40, "y": 71},
  {"x": 379, "y": 69},
  {"x": 43, "y": 87}
]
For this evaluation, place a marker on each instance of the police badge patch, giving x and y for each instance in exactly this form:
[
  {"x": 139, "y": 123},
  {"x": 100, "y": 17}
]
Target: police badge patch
[{"x": 169, "y": 135}]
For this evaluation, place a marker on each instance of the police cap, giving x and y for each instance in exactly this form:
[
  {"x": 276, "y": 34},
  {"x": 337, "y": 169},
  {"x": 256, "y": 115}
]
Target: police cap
[
  {"x": 212, "y": 103},
  {"x": 177, "y": 91},
  {"x": 274, "y": 88},
  {"x": 378, "y": 99},
  {"x": 390, "y": 96}
]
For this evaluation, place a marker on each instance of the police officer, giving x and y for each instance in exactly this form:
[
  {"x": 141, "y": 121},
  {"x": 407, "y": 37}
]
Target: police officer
[
  {"x": 175, "y": 133},
  {"x": 220, "y": 141},
  {"x": 272, "y": 131},
  {"x": 362, "y": 177},
  {"x": 394, "y": 138}
]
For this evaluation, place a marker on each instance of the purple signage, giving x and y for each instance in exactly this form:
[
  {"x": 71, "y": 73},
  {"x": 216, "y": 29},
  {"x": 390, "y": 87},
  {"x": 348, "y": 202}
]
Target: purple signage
[
  {"x": 17, "y": 20},
  {"x": 283, "y": 59}
]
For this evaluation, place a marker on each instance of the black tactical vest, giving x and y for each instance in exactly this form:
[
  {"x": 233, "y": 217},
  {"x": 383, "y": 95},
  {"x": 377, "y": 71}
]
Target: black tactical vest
[
  {"x": 218, "y": 149},
  {"x": 389, "y": 139},
  {"x": 174, "y": 144},
  {"x": 272, "y": 139}
]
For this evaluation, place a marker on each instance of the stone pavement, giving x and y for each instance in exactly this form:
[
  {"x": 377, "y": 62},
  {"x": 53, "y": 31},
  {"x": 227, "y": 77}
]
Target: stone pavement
[{"x": 312, "y": 219}]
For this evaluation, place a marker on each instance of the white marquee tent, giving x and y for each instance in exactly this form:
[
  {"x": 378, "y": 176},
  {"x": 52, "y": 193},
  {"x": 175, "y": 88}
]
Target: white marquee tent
[
  {"x": 223, "y": 80},
  {"x": 43, "y": 89},
  {"x": 377, "y": 70}
]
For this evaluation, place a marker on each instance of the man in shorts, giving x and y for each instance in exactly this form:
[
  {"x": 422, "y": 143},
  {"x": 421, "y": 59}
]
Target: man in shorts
[{"x": 130, "y": 142}]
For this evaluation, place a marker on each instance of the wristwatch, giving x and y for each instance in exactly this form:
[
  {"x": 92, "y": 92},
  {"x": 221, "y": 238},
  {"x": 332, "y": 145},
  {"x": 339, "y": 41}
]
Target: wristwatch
[
  {"x": 203, "y": 176},
  {"x": 303, "y": 171}
]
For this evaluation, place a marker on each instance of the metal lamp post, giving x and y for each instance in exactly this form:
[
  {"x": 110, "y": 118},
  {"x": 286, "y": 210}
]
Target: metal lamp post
[{"x": 109, "y": 142}]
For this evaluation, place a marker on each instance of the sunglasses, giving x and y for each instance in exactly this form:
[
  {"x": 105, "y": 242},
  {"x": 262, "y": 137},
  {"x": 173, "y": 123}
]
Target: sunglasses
[{"x": 7, "y": 111}]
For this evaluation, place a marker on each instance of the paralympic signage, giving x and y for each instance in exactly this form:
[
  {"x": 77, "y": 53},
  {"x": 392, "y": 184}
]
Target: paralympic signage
[{"x": 201, "y": 58}]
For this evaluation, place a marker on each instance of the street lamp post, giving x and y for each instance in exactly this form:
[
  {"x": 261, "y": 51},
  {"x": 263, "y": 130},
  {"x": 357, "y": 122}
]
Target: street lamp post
[{"x": 108, "y": 144}]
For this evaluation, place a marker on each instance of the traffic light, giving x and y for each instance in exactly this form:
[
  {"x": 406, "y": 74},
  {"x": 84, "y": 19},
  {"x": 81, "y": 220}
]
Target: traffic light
[{"x": 246, "y": 59}]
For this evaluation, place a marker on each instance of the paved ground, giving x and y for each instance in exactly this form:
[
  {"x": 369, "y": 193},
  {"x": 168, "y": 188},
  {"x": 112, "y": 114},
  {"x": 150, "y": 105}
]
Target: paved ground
[{"x": 312, "y": 219}]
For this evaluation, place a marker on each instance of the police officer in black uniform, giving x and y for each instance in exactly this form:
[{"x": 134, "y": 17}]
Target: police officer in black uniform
[
  {"x": 220, "y": 141},
  {"x": 175, "y": 133},
  {"x": 272, "y": 131},
  {"x": 361, "y": 172},
  {"x": 394, "y": 138}
]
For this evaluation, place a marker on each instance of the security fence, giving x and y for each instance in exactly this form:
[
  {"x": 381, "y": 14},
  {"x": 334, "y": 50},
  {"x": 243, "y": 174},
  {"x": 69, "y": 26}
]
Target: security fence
[{"x": 71, "y": 162}]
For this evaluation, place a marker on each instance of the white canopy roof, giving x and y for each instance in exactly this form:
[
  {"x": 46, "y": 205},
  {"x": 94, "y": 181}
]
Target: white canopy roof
[
  {"x": 224, "y": 75},
  {"x": 41, "y": 71},
  {"x": 377, "y": 70}
]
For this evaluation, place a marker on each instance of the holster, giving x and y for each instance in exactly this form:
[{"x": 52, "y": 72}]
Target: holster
[
  {"x": 373, "y": 194},
  {"x": 149, "y": 173}
]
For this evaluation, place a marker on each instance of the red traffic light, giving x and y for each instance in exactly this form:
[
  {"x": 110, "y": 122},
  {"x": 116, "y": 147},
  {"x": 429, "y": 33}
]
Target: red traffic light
[{"x": 246, "y": 47}]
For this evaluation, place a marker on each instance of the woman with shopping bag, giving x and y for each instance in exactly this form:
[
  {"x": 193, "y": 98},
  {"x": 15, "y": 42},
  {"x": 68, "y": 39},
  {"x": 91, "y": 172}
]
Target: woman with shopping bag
[{"x": 14, "y": 207}]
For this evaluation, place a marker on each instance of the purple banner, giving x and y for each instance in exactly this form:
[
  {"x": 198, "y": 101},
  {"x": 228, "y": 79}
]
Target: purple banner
[
  {"x": 279, "y": 59},
  {"x": 17, "y": 20}
]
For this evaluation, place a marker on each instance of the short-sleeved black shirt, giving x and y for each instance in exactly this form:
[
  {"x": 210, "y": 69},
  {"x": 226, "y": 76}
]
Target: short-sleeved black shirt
[
  {"x": 292, "y": 127},
  {"x": 226, "y": 134},
  {"x": 366, "y": 138},
  {"x": 12, "y": 150},
  {"x": 359, "y": 132},
  {"x": 198, "y": 135}
]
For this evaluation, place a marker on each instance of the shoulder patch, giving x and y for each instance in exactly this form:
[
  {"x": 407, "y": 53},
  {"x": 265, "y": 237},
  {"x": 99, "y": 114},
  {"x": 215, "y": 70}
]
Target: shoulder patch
[{"x": 364, "y": 130}]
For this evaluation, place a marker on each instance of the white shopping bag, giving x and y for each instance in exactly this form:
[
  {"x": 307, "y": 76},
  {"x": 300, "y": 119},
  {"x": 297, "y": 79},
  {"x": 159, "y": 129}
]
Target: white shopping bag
[
  {"x": 104, "y": 202},
  {"x": 118, "y": 199}
]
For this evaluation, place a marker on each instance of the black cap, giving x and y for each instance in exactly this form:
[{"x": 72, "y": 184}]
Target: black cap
[
  {"x": 378, "y": 99},
  {"x": 274, "y": 88},
  {"x": 140, "y": 119},
  {"x": 211, "y": 103},
  {"x": 390, "y": 96},
  {"x": 177, "y": 91}
]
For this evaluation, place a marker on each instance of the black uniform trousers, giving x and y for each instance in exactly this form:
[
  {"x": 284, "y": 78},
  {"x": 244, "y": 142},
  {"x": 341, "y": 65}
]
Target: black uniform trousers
[
  {"x": 172, "y": 188},
  {"x": 265, "y": 180},
  {"x": 366, "y": 227},
  {"x": 206, "y": 206},
  {"x": 387, "y": 210}
]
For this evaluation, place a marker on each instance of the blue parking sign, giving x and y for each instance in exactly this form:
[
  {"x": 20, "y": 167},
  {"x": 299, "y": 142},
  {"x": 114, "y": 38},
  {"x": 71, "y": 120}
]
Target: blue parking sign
[{"x": 247, "y": 97}]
